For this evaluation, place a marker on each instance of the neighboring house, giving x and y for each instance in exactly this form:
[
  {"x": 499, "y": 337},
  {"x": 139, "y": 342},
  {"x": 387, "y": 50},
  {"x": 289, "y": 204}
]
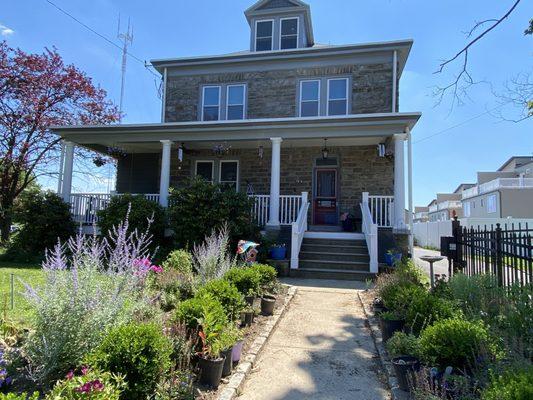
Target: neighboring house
[
  {"x": 445, "y": 207},
  {"x": 287, "y": 121},
  {"x": 421, "y": 214},
  {"x": 505, "y": 193}
]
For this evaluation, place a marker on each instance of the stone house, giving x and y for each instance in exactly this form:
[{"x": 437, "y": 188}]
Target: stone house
[{"x": 313, "y": 132}]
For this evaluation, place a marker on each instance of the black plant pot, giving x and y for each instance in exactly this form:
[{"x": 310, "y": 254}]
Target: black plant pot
[
  {"x": 378, "y": 306},
  {"x": 211, "y": 371},
  {"x": 228, "y": 365},
  {"x": 388, "y": 327},
  {"x": 249, "y": 300},
  {"x": 247, "y": 318},
  {"x": 405, "y": 367},
  {"x": 267, "y": 305}
]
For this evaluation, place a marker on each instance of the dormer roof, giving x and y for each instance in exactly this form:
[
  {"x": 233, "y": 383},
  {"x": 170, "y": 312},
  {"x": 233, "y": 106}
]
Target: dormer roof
[{"x": 280, "y": 7}]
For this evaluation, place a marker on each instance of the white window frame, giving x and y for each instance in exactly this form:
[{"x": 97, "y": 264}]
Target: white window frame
[
  {"x": 219, "y": 99},
  {"x": 297, "y": 31},
  {"x": 308, "y": 101},
  {"x": 263, "y": 37},
  {"x": 243, "y": 85},
  {"x": 466, "y": 209},
  {"x": 347, "y": 80},
  {"x": 238, "y": 173},
  {"x": 212, "y": 162},
  {"x": 493, "y": 197}
]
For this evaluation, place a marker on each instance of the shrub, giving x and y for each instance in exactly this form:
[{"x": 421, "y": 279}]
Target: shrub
[
  {"x": 179, "y": 260},
  {"x": 203, "y": 207},
  {"x": 190, "y": 311},
  {"x": 22, "y": 396},
  {"x": 425, "y": 309},
  {"x": 268, "y": 274},
  {"x": 139, "y": 352},
  {"x": 246, "y": 280},
  {"x": 172, "y": 287},
  {"x": 457, "y": 343},
  {"x": 144, "y": 215},
  {"x": 398, "y": 298},
  {"x": 178, "y": 385},
  {"x": 211, "y": 258},
  {"x": 45, "y": 219},
  {"x": 88, "y": 384},
  {"x": 227, "y": 294},
  {"x": 402, "y": 344},
  {"x": 511, "y": 385}
]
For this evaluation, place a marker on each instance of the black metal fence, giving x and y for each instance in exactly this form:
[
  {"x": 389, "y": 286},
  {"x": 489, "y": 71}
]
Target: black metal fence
[{"x": 504, "y": 252}]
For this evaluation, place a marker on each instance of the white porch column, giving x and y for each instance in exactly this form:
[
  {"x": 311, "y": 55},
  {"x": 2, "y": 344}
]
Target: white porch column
[
  {"x": 66, "y": 187},
  {"x": 273, "y": 220},
  {"x": 399, "y": 182},
  {"x": 164, "y": 182},
  {"x": 61, "y": 163},
  {"x": 410, "y": 188}
]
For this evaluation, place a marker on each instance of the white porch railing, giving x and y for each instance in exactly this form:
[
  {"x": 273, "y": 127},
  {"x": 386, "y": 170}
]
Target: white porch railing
[
  {"x": 261, "y": 208},
  {"x": 381, "y": 209},
  {"x": 498, "y": 183},
  {"x": 289, "y": 207},
  {"x": 370, "y": 230},
  {"x": 298, "y": 229}
]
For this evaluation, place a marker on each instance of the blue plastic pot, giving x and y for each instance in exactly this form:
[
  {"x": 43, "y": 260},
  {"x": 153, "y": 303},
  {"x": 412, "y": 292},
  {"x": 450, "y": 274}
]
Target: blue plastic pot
[
  {"x": 392, "y": 259},
  {"x": 278, "y": 253}
]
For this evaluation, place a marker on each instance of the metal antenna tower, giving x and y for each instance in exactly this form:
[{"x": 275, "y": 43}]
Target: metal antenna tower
[{"x": 126, "y": 39}]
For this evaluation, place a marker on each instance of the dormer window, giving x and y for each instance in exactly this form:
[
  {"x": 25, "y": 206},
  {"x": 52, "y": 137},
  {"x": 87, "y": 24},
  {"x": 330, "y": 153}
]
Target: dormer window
[
  {"x": 289, "y": 33},
  {"x": 264, "y": 35}
]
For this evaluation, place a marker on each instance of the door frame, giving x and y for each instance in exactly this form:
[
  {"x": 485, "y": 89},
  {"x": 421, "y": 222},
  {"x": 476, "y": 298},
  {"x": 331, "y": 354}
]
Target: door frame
[{"x": 334, "y": 167}]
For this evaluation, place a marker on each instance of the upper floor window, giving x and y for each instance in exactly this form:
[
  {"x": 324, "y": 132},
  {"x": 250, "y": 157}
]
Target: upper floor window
[
  {"x": 337, "y": 96},
  {"x": 211, "y": 103},
  {"x": 466, "y": 208},
  {"x": 491, "y": 204},
  {"x": 309, "y": 98},
  {"x": 264, "y": 35},
  {"x": 236, "y": 95},
  {"x": 289, "y": 33}
]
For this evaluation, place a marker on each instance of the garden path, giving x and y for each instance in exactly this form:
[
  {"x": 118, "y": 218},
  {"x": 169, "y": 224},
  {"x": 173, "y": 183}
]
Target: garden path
[{"x": 321, "y": 349}]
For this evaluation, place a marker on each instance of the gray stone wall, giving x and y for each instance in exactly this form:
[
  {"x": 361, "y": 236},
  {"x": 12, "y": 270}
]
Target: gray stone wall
[{"x": 272, "y": 94}]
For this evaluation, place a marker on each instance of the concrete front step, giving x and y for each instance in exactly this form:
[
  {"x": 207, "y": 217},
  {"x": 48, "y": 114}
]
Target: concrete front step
[
  {"x": 331, "y": 274},
  {"x": 334, "y": 265},
  {"x": 324, "y": 248},
  {"x": 334, "y": 242},
  {"x": 327, "y": 256}
]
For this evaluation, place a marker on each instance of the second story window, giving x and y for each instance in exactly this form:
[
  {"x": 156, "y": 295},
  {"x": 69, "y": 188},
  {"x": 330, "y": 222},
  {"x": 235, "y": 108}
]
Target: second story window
[
  {"x": 309, "y": 98},
  {"x": 211, "y": 103},
  {"x": 337, "y": 96},
  {"x": 289, "y": 33},
  {"x": 264, "y": 34},
  {"x": 235, "y": 102}
]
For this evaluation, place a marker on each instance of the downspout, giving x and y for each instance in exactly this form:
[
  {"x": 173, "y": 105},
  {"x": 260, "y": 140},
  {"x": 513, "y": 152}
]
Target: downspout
[
  {"x": 164, "y": 100},
  {"x": 394, "y": 79},
  {"x": 410, "y": 188}
]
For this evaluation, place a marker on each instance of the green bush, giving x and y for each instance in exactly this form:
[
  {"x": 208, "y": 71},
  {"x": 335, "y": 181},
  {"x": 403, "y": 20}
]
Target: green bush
[
  {"x": 89, "y": 384},
  {"x": 402, "y": 344},
  {"x": 22, "y": 396},
  {"x": 190, "y": 311},
  {"x": 172, "y": 287},
  {"x": 511, "y": 385},
  {"x": 139, "y": 352},
  {"x": 45, "y": 219},
  {"x": 246, "y": 280},
  {"x": 179, "y": 260},
  {"x": 227, "y": 294},
  {"x": 398, "y": 298},
  {"x": 268, "y": 274},
  {"x": 201, "y": 207},
  {"x": 457, "y": 343},
  {"x": 141, "y": 212},
  {"x": 425, "y": 309}
]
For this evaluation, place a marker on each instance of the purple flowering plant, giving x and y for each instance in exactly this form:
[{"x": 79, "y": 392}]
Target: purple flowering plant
[{"x": 87, "y": 383}]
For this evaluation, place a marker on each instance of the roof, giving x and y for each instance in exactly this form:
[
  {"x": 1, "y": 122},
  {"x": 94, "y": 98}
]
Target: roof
[
  {"x": 463, "y": 186},
  {"x": 525, "y": 159}
]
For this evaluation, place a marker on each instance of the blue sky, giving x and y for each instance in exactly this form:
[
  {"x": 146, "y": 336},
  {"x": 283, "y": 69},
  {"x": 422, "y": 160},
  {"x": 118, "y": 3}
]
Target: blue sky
[{"x": 176, "y": 28}]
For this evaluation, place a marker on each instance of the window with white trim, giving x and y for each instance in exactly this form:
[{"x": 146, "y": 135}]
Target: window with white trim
[
  {"x": 229, "y": 173},
  {"x": 211, "y": 103},
  {"x": 466, "y": 208},
  {"x": 309, "y": 98},
  {"x": 288, "y": 33},
  {"x": 337, "y": 96},
  {"x": 264, "y": 35},
  {"x": 235, "y": 101},
  {"x": 492, "y": 205},
  {"x": 205, "y": 170}
]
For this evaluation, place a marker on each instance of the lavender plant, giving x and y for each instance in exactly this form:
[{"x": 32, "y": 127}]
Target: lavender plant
[{"x": 91, "y": 285}]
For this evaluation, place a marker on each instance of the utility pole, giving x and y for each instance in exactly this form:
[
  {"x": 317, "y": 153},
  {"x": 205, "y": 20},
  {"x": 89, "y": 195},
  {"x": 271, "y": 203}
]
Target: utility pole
[{"x": 126, "y": 39}]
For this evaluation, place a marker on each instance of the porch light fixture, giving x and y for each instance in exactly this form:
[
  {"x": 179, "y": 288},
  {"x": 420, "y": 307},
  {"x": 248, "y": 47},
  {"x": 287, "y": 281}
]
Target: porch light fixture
[
  {"x": 261, "y": 152},
  {"x": 181, "y": 150},
  {"x": 220, "y": 150},
  {"x": 325, "y": 151},
  {"x": 381, "y": 149}
]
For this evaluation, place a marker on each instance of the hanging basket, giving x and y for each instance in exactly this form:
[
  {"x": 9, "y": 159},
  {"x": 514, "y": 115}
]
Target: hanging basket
[{"x": 99, "y": 161}]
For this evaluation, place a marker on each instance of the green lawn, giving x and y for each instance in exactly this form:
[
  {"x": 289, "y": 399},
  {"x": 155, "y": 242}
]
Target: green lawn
[{"x": 28, "y": 273}]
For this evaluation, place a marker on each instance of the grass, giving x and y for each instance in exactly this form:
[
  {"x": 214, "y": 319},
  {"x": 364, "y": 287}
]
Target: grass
[{"x": 28, "y": 273}]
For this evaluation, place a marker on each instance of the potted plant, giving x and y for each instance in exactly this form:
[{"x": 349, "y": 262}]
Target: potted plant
[
  {"x": 404, "y": 350},
  {"x": 378, "y": 306},
  {"x": 210, "y": 361},
  {"x": 393, "y": 256},
  {"x": 247, "y": 316},
  {"x": 278, "y": 251},
  {"x": 390, "y": 322},
  {"x": 268, "y": 302},
  {"x": 228, "y": 338},
  {"x": 250, "y": 297},
  {"x": 236, "y": 352}
]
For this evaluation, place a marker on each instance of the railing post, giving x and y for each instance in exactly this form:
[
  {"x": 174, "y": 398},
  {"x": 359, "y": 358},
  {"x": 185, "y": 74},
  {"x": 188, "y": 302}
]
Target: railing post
[
  {"x": 374, "y": 248},
  {"x": 498, "y": 254}
]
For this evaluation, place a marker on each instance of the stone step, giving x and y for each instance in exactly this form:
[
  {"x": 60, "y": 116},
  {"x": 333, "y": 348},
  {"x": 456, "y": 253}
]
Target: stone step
[
  {"x": 331, "y": 274},
  {"x": 334, "y": 265},
  {"x": 334, "y": 256},
  {"x": 334, "y": 242},
  {"x": 325, "y": 248}
]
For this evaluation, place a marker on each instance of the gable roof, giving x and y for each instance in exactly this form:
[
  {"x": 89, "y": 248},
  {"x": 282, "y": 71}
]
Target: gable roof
[
  {"x": 518, "y": 160},
  {"x": 277, "y": 4}
]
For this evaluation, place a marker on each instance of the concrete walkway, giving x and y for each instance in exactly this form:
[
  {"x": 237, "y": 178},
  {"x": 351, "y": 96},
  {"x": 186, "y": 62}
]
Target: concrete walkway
[{"x": 321, "y": 349}]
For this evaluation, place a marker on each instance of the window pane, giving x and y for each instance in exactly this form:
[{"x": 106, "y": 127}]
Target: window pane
[
  {"x": 337, "y": 107},
  {"x": 235, "y": 112},
  {"x": 337, "y": 89},
  {"x": 264, "y": 29},
  {"x": 205, "y": 170},
  {"x": 235, "y": 95},
  {"x": 310, "y": 90},
  {"x": 211, "y": 113},
  {"x": 289, "y": 42},
  {"x": 309, "y": 109},
  {"x": 289, "y": 26},
  {"x": 211, "y": 96},
  {"x": 264, "y": 44},
  {"x": 228, "y": 172}
]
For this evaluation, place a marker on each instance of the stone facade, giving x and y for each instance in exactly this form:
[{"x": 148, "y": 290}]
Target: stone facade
[{"x": 273, "y": 94}]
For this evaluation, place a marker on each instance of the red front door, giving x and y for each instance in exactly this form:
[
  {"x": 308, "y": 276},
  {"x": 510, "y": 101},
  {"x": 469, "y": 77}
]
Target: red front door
[{"x": 325, "y": 197}]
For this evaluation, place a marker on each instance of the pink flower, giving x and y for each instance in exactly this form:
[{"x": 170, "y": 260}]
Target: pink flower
[
  {"x": 97, "y": 385},
  {"x": 157, "y": 269},
  {"x": 70, "y": 375},
  {"x": 84, "y": 370}
]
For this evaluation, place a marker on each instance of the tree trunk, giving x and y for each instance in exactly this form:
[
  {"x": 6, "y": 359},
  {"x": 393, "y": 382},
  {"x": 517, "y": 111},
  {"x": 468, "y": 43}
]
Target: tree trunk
[{"x": 6, "y": 218}]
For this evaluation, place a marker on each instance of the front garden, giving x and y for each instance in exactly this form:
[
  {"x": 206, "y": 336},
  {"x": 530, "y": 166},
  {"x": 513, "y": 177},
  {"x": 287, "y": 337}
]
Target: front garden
[{"x": 465, "y": 339}]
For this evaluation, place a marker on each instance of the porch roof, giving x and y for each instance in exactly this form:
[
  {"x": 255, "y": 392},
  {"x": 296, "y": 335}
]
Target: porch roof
[{"x": 348, "y": 126}]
